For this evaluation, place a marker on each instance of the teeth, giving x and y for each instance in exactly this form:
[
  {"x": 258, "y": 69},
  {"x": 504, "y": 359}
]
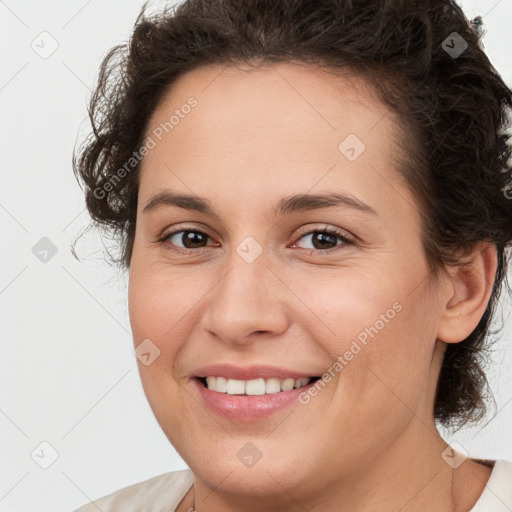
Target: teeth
[
  {"x": 287, "y": 384},
  {"x": 221, "y": 384},
  {"x": 235, "y": 387},
  {"x": 255, "y": 386},
  {"x": 272, "y": 385},
  {"x": 301, "y": 382}
]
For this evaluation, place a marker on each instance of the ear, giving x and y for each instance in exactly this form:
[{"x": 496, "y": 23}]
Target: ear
[{"x": 468, "y": 293}]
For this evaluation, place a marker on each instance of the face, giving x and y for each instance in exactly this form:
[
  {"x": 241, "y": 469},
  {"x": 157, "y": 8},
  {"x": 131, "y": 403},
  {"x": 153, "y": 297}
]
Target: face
[{"x": 256, "y": 284}]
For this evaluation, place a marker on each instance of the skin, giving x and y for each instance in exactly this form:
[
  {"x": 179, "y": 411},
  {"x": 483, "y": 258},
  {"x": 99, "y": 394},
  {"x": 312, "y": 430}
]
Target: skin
[{"x": 368, "y": 440}]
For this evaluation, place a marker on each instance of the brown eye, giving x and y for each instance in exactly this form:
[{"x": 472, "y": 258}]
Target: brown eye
[
  {"x": 186, "y": 239},
  {"x": 325, "y": 240}
]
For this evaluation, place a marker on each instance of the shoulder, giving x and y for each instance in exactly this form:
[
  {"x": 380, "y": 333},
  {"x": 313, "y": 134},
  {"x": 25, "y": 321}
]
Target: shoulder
[
  {"x": 497, "y": 495},
  {"x": 160, "y": 493}
]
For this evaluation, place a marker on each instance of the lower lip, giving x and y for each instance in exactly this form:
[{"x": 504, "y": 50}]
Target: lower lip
[{"x": 247, "y": 408}]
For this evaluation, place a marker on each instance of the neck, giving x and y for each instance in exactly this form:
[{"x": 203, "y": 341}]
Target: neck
[{"x": 409, "y": 476}]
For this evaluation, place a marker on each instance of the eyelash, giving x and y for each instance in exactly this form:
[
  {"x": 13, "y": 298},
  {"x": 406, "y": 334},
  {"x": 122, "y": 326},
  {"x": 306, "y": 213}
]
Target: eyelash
[{"x": 328, "y": 231}]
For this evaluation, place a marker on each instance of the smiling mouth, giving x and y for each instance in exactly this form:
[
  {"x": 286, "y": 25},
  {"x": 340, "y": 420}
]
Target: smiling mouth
[{"x": 254, "y": 387}]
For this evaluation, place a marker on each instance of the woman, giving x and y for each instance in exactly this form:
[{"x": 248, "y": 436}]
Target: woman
[{"x": 313, "y": 202}]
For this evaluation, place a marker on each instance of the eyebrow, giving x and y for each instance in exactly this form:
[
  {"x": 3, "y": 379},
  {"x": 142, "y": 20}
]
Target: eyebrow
[{"x": 292, "y": 204}]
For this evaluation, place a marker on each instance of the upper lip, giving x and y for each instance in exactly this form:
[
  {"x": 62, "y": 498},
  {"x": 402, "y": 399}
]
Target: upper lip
[{"x": 248, "y": 372}]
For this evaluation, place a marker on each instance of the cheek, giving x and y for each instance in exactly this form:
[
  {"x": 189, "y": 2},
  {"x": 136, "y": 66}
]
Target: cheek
[
  {"x": 155, "y": 310},
  {"x": 386, "y": 370},
  {"x": 381, "y": 368},
  {"x": 345, "y": 305},
  {"x": 158, "y": 303},
  {"x": 380, "y": 337}
]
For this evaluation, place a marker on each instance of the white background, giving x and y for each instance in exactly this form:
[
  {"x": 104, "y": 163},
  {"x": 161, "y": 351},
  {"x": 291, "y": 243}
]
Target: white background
[{"x": 67, "y": 372}]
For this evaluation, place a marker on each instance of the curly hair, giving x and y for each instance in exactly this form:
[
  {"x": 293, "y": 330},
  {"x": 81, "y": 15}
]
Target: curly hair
[{"x": 453, "y": 107}]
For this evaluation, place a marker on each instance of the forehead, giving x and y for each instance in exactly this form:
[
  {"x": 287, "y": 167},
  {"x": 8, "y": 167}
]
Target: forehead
[
  {"x": 277, "y": 126},
  {"x": 298, "y": 99}
]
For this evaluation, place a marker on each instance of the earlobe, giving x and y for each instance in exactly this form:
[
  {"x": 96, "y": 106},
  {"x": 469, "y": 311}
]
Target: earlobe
[{"x": 468, "y": 293}]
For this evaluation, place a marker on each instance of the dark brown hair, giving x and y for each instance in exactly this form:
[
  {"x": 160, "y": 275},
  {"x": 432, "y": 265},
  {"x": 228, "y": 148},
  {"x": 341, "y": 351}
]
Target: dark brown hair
[{"x": 423, "y": 58}]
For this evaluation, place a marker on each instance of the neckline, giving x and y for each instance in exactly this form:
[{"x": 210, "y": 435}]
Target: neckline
[
  {"x": 485, "y": 462},
  {"x": 497, "y": 494},
  {"x": 486, "y": 493}
]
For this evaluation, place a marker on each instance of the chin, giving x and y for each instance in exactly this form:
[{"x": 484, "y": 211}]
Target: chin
[
  {"x": 261, "y": 481},
  {"x": 246, "y": 465}
]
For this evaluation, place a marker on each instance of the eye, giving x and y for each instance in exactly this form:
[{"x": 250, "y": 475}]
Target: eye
[
  {"x": 325, "y": 240},
  {"x": 188, "y": 241},
  {"x": 191, "y": 240}
]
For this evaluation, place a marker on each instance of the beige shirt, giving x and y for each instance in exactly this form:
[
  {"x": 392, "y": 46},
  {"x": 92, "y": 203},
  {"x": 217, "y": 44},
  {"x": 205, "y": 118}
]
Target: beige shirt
[{"x": 163, "y": 493}]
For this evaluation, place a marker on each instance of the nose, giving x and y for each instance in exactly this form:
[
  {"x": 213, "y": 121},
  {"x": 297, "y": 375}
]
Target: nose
[{"x": 247, "y": 303}]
